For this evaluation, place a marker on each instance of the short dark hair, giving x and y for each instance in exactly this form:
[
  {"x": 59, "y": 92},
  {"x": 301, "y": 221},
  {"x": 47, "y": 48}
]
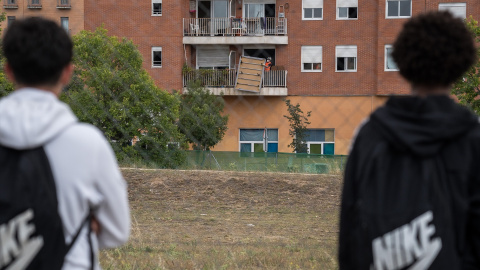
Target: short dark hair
[
  {"x": 37, "y": 50},
  {"x": 434, "y": 49}
]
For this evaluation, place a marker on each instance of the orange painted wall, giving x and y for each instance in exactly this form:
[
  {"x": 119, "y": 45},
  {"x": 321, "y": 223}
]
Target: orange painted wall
[{"x": 341, "y": 113}]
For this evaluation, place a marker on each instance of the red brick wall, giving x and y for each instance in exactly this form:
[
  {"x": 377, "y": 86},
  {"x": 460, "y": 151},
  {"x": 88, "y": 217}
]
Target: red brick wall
[
  {"x": 49, "y": 10},
  {"x": 133, "y": 19},
  {"x": 370, "y": 33}
]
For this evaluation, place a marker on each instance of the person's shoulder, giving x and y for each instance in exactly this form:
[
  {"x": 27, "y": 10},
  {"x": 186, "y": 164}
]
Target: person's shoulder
[{"x": 83, "y": 134}]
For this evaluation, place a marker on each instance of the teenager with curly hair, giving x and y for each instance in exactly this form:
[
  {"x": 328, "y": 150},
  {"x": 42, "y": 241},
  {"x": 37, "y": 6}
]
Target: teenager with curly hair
[{"x": 411, "y": 195}]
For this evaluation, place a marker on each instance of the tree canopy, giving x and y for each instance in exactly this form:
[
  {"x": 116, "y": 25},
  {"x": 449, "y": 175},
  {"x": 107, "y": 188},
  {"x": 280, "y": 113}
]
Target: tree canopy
[
  {"x": 111, "y": 90},
  {"x": 5, "y": 85},
  {"x": 467, "y": 88},
  {"x": 201, "y": 119}
]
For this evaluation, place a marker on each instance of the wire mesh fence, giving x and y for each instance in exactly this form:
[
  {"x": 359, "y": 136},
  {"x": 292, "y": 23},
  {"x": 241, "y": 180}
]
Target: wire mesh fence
[{"x": 257, "y": 161}]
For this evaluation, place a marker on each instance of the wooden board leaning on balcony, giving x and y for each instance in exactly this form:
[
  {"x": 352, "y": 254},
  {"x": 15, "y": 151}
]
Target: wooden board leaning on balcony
[{"x": 249, "y": 76}]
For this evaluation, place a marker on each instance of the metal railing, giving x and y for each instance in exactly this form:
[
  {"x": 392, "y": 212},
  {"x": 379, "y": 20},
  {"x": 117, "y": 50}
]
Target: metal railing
[
  {"x": 234, "y": 26},
  {"x": 227, "y": 78},
  {"x": 34, "y": 4},
  {"x": 10, "y": 4},
  {"x": 64, "y": 4}
]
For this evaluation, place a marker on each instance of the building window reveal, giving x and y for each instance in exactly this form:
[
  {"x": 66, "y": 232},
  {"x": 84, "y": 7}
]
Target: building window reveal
[
  {"x": 390, "y": 65},
  {"x": 156, "y": 57},
  {"x": 65, "y": 24},
  {"x": 346, "y": 58},
  {"x": 321, "y": 141},
  {"x": 156, "y": 7},
  {"x": 10, "y": 19},
  {"x": 399, "y": 8},
  {"x": 311, "y": 58},
  {"x": 347, "y": 9},
  {"x": 458, "y": 10},
  {"x": 312, "y": 9},
  {"x": 254, "y": 140}
]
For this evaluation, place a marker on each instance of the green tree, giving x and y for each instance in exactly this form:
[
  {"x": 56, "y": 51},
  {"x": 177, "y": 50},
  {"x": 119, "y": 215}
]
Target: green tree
[
  {"x": 5, "y": 85},
  {"x": 467, "y": 88},
  {"x": 201, "y": 119},
  {"x": 298, "y": 126},
  {"x": 111, "y": 90}
]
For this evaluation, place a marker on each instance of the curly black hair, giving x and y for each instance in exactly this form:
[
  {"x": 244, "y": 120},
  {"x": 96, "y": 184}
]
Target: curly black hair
[
  {"x": 37, "y": 50},
  {"x": 434, "y": 49}
]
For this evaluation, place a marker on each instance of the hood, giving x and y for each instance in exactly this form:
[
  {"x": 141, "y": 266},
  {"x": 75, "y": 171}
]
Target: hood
[
  {"x": 422, "y": 125},
  {"x": 31, "y": 117}
]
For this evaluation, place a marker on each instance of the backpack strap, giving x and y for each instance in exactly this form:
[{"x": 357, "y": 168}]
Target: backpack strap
[{"x": 87, "y": 221}]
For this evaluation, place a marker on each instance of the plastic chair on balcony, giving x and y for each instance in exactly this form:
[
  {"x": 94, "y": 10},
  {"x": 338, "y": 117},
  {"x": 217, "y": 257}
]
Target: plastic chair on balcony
[{"x": 194, "y": 28}]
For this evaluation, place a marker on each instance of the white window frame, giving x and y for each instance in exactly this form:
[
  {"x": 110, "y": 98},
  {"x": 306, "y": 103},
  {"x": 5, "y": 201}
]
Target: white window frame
[
  {"x": 339, "y": 53},
  {"x": 308, "y": 143},
  {"x": 346, "y": 4},
  {"x": 316, "y": 59},
  {"x": 252, "y": 143},
  {"x": 62, "y": 23},
  {"x": 156, "y": 49},
  {"x": 397, "y": 17},
  {"x": 311, "y": 5},
  {"x": 449, "y": 6},
  {"x": 161, "y": 7},
  {"x": 386, "y": 58}
]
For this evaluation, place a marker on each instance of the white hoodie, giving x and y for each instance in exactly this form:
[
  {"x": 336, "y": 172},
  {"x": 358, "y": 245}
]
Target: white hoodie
[{"x": 83, "y": 165}]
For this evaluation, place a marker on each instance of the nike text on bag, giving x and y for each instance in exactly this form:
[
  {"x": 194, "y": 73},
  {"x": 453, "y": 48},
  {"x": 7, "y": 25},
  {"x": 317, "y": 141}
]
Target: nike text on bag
[
  {"x": 31, "y": 233},
  {"x": 404, "y": 220}
]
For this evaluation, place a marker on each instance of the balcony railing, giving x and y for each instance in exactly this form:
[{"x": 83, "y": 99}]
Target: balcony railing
[
  {"x": 235, "y": 26},
  {"x": 227, "y": 78},
  {"x": 64, "y": 4},
  {"x": 10, "y": 4},
  {"x": 34, "y": 4}
]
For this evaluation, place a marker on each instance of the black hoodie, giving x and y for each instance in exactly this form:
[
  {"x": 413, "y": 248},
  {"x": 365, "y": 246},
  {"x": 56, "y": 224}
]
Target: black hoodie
[{"x": 419, "y": 128}]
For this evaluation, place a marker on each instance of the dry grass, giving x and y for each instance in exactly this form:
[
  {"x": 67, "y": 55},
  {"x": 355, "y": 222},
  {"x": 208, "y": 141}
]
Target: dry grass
[{"x": 229, "y": 220}]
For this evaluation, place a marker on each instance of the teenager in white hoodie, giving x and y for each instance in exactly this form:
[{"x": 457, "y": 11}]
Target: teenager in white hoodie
[{"x": 39, "y": 53}]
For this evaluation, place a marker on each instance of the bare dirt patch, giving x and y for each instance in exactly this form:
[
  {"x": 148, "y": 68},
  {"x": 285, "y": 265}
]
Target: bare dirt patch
[{"x": 229, "y": 220}]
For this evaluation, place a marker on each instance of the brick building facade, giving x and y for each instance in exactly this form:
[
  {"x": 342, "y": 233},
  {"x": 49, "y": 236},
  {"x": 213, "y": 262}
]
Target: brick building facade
[
  {"x": 69, "y": 13},
  {"x": 330, "y": 56},
  {"x": 214, "y": 34}
]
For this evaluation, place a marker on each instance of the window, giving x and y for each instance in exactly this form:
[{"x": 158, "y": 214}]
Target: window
[
  {"x": 320, "y": 141},
  {"x": 346, "y": 58},
  {"x": 399, "y": 8},
  {"x": 64, "y": 23},
  {"x": 64, "y": 4},
  {"x": 156, "y": 56},
  {"x": 254, "y": 140},
  {"x": 156, "y": 7},
  {"x": 311, "y": 58},
  {"x": 347, "y": 9},
  {"x": 458, "y": 10},
  {"x": 390, "y": 65},
  {"x": 312, "y": 9},
  {"x": 10, "y": 19}
]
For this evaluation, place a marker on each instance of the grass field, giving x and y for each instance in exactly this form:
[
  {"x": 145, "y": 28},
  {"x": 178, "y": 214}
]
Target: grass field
[{"x": 229, "y": 220}]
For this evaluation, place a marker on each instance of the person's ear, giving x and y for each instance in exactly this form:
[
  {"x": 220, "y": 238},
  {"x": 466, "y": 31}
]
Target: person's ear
[
  {"x": 9, "y": 72},
  {"x": 66, "y": 75}
]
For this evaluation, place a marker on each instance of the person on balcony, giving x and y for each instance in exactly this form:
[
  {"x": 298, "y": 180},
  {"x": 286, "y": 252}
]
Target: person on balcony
[{"x": 268, "y": 64}]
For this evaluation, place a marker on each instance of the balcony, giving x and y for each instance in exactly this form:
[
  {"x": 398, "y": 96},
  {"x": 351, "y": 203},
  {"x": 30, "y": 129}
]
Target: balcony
[
  {"x": 33, "y": 4},
  {"x": 235, "y": 31},
  {"x": 10, "y": 4},
  {"x": 223, "y": 82},
  {"x": 64, "y": 4}
]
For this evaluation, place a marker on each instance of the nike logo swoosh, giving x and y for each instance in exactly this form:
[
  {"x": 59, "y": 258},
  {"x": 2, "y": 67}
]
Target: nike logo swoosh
[
  {"x": 427, "y": 258},
  {"x": 29, "y": 251}
]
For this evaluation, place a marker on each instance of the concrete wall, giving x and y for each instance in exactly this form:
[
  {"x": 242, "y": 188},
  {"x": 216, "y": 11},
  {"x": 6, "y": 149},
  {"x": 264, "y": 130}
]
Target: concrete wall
[{"x": 341, "y": 113}]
